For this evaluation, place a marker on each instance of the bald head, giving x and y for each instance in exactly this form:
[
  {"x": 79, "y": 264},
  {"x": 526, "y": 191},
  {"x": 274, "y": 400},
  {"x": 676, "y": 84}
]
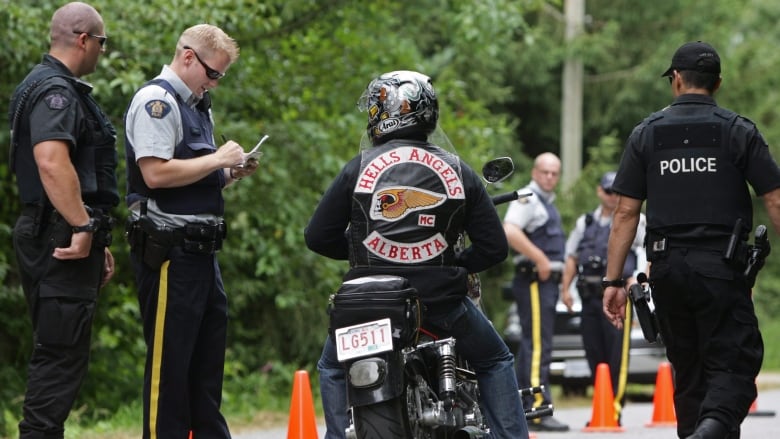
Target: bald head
[
  {"x": 546, "y": 159},
  {"x": 75, "y": 16},
  {"x": 546, "y": 171}
]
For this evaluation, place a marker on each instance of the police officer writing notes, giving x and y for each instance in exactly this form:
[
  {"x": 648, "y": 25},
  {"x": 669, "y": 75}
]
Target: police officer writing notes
[
  {"x": 175, "y": 177},
  {"x": 586, "y": 260},
  {"x": 533, "y": 229},
  {"x": 692, "y": 161},
  {"x": 425, "y": 181},
  {"x": 64, "y": 157}
]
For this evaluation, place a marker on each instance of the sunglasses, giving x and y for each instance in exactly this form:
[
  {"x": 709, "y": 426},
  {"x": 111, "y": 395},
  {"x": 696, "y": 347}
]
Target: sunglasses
[
  {"x": 671, "y": 76},
  {"x": 211, "y": 73},
  {"x": 101, "y": 38},
  {"x": 608, "y": 191}
]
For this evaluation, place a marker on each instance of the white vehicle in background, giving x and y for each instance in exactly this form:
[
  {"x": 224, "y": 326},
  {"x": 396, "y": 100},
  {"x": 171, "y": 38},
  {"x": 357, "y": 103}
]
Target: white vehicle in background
[{"x": 569, "y": 367}]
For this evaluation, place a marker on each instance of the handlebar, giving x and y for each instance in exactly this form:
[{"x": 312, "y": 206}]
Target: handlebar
[{"x": 509, "y": 196}]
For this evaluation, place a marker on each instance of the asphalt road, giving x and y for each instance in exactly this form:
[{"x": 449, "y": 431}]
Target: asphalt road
[{"x": 764, "y": 421}]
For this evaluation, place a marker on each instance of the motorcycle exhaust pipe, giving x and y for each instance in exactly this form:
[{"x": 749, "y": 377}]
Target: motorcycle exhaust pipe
[{"x": 470, "y": 432}]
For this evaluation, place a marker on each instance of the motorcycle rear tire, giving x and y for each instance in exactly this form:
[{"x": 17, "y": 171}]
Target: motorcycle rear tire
[{"x": 385, "y": 420}]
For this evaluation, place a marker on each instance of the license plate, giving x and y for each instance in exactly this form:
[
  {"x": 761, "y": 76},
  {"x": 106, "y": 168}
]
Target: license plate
[
  {"x": 364, "y": 339},
  {"x": 576, "y": 369}
]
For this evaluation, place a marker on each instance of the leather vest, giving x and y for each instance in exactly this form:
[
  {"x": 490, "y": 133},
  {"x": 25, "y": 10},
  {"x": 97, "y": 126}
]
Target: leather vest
[
  {"x": 592, "y": 250},
  {"x": 408, "y": 206},
  {"x": 691, "y": 177},
  {"x": 549, "y": 238},
  {"x": 94, "y": 155},
  {"x": 201, "y": 197}
]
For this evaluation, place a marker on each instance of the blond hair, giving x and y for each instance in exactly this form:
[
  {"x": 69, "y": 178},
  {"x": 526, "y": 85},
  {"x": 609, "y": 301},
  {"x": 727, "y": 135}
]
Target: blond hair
[{"x": 209, "y": 39}]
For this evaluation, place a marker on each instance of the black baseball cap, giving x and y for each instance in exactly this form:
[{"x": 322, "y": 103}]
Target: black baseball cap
[{"x": 697, "y": 56}]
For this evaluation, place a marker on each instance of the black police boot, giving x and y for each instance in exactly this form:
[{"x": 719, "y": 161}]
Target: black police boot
[
  {"x": 547, "y": 423},
  {"x": 710, "y": 428}
]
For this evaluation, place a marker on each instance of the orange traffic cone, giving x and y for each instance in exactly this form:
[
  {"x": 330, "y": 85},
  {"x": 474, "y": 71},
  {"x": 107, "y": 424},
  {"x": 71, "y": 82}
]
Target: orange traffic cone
[
  {"x": 754, "y": 411},
  {"x": 303, "y": 424},
  {"x": 604, "y": 417},
  {"x": 663, "y": 398}
]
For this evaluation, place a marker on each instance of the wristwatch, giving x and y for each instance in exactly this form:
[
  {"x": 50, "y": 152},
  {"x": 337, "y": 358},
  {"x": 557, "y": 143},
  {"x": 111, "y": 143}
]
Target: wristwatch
[
  {"x": 90, "y": 227},
  {"x": 612, "y": 283}
]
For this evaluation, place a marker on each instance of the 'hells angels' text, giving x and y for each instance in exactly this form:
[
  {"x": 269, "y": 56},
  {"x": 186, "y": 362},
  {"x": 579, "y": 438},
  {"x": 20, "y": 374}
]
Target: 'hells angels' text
[{"x": 382, "y": 163}]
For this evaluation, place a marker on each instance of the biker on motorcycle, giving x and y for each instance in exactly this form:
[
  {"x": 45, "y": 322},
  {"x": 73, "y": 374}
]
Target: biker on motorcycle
[{"x": 397, "y": 208}]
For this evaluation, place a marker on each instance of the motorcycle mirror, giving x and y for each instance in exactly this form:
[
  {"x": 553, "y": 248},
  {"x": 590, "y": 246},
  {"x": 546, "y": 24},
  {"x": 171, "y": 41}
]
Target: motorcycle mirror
[{"x": 498, "y": 169}]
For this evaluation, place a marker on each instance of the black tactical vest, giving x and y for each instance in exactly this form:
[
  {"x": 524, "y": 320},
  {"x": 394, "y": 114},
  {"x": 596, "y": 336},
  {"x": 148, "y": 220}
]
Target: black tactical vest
[
  {"x": 592, "y": 250},
  {"x": 202, "y": 196},
  {"x": 408, "y": 206},
  {"x": 94, "y": 154},
  {"x": 691, "y": 176}
]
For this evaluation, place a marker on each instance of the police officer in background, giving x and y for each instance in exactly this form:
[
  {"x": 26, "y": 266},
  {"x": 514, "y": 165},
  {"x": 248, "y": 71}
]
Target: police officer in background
[
  {"x": 533, "y": 229},
  {"x": 64, "y": 157},
  {"x": 382, "y": 194},
  {"x": 586, "y": 260},
  {"x": 175, "y": 178},
  {"x": 692, "y": 161}
]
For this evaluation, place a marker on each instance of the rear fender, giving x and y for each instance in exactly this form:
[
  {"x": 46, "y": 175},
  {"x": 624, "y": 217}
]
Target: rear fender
[{"x": 375, "y": 379}]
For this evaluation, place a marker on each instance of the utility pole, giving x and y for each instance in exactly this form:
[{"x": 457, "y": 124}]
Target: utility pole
[{"x": 571, "y": 101}]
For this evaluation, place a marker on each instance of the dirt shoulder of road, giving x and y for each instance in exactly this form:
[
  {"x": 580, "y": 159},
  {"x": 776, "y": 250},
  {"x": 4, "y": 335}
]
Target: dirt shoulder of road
[{"x": 768, "y": 380}]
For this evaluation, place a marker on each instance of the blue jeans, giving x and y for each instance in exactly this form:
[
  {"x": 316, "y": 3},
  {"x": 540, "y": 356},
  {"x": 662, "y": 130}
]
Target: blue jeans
[{"x": 477, "y": 342}]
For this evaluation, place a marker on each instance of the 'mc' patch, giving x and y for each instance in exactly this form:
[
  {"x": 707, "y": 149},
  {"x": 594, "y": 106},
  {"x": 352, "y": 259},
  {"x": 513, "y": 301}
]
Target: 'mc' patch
[{"x": 157, "y": 109}]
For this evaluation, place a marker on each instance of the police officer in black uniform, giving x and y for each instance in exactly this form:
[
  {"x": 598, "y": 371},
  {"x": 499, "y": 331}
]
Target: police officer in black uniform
[
  {"x": 692, "y": 161},
  {"x": 64, "y": 157},
  {"x": 398, "y": 208},
  {"x": 176, "y": 175}
]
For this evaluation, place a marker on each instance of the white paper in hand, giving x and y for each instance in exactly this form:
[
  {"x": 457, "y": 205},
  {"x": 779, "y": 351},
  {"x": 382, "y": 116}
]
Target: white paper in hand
[{"x": 255, "y": 153}]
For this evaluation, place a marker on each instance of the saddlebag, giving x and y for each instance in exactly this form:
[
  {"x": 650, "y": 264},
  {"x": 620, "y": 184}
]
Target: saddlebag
[{"x": 370, "y": 298}]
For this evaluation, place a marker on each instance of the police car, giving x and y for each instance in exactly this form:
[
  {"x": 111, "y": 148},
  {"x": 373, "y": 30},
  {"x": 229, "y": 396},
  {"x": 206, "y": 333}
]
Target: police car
[{"x": 569, "y": 367}]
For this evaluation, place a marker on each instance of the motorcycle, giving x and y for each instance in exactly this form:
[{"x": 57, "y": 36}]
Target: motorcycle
[{"x": 403, "y": 381}]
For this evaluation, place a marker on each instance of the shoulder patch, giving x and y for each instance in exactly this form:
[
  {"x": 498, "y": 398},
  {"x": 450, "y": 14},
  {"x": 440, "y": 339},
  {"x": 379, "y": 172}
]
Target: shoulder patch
[
  {"x": 157, "y": 108},
  {"x": 524, "y": 200},
  {"x": 56, "y": 101}
]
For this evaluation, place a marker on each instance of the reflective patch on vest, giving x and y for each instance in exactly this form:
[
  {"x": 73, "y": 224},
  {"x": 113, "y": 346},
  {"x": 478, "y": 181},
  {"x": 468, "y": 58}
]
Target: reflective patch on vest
[
  {"x": 56, "y": 101},
  {"x": 689, "y": 165},
  {"x": 371, "y": 174},
  {"x": 157, "y": 109},
  {"x": 396, "y": 203},
  {"x": 696, "y": 135},
  {"x": 404, "y": 253}
]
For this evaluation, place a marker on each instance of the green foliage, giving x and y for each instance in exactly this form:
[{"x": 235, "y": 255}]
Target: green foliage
[{"x": 497, "y": 67}]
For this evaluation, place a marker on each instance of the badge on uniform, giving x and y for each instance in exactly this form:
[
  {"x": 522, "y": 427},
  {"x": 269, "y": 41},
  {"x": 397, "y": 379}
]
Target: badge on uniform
[
  {"x": 56, "y": 101},
  {"x": 157, "y": 109}
]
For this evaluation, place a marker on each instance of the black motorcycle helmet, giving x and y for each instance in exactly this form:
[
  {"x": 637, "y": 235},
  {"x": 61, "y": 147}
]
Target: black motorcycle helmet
[{"x": 400, "y": 104}]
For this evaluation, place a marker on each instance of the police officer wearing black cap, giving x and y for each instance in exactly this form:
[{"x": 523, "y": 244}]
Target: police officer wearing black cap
[
  {"x": 692, "y": 161},
  {"x": 586, "y": 261}
]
